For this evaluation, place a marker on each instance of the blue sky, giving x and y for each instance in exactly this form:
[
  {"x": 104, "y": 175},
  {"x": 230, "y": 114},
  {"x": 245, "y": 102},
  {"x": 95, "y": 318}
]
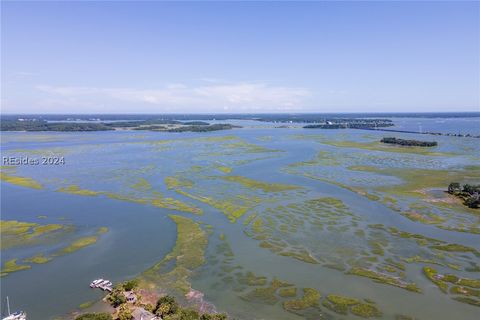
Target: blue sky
[{"x": 151, "y": 57}]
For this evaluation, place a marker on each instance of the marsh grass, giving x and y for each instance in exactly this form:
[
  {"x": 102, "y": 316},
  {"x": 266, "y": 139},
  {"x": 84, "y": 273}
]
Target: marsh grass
[{"x": 175, "y": 269}]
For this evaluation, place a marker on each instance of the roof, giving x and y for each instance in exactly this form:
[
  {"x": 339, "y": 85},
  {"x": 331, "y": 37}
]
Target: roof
[{"x": 142, "y": 314}]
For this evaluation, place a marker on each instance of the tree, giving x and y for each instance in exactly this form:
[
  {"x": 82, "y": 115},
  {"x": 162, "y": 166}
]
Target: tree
[
  {"x": 473, "y": 201},
  {"x": 183, "y": 314},
  {"x": 116, "y": 297},
  {"x": 214, "y": 316},
  {"x": 471, "y": 189},
  {"x": 166, "y": 305},
  {"x": 124, "y": 313},
  {"x": 130, "y": 285},
  {"x": 149, "y": 308},
  {"x": 454, "y": 188}
]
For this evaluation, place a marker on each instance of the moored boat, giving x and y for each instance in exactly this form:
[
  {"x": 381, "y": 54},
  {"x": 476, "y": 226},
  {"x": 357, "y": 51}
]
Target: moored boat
[
  {"x": 96, "y": 283},
  {"x": 19, "y": 315}
]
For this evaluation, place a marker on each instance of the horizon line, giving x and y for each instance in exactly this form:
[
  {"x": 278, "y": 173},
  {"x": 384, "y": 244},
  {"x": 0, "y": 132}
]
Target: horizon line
[{"x": 240, "y": 113}]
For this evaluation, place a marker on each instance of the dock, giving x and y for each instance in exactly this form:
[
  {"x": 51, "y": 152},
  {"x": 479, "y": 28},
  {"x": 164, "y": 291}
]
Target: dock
[{"x": 105, "y": 285}]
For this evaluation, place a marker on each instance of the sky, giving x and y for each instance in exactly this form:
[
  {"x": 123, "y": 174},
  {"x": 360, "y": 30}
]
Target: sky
[{"x": 239, "y": 57}]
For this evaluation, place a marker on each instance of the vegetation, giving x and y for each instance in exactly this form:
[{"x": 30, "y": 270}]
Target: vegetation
[
  {"x": 413, "y": 143},
  {"x": 266, "y": 294},
  {"x": 287, "y": 292},
  {"x": 168, "y": 308},
  {"x": 188, "y": 253},
  {"x": 231, "y": 209},
  {"x": 470, "y": 194},
  {"x": 310, "y": 299},
  {"x": 366, "y": 310},
  {"x": 86, "y": 305},
  {"x": 20, "y": 181},
  {"x": 465, "y": 287},
  {"x": 256, "y": 184},
  {"x": 74, "y": 189},
  {"x": 17, "y": 233},
  {"x": 196, "y": 123},
  {"x": 339, "y": 304},
  {"x": 42, "y": 125},
  {"x": 78, "y": 244},
  {"x": 156, "y": 198},
  {"x": 454, "y": 247},
  {"x": 150, "y": 124},
  {"x": 224, "y": 169},
  {"x": 203, "y": 128},
  {"x": 130, "y": 284},
  {"x": 82, "y": 242},
  {"x": 351, "y": 124},
  {"x": 140, "y": 123},
  {"x": 38, "y": 259},
  {"x": 378, "y": 146},
  {"x": 383, "y": 278},
  {"x": 342, "y": 305},
  {"x": 124, "y": 313},
  {"x": 12, "y": 266}
]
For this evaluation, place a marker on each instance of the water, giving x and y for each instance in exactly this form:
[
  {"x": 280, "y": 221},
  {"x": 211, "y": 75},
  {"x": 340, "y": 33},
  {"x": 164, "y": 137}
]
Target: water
[
  {"x": 141, "y": 234},
  {"x": 442, "y": 125}
]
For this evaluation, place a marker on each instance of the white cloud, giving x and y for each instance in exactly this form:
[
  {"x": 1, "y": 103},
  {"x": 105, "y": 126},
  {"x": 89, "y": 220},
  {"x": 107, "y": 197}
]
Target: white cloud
[{"x": 236, "y": 97}]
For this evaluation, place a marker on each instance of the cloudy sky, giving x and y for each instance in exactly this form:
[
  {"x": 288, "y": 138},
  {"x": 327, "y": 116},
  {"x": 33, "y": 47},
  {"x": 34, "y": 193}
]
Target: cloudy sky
[{"x": 151, "y": 57}]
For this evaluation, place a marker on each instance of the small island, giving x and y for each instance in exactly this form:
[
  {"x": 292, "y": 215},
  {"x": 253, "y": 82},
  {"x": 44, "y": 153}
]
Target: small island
[
  {"x": 410, "y": 143},
  {"x": 470, "y": 194},
  {"x": 146, "y": 125}
]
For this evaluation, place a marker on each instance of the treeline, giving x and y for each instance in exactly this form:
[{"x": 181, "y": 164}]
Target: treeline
[
  {"x": 132, "y": 124},
  {"x": 203, "y": 128},
  {"x": 350, "y": 124},
  {"x": 196, "y": 123},
  {"x": 404, "y": 142},
  {"x": 41, "y": 125},
  {"x": 168, "y": 309},
  {"x": 152, "y": 125},
  {"x": 470, "y": 194}
]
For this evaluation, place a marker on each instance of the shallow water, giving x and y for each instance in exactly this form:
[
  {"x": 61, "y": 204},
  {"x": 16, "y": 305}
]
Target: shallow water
[{"x": 141, "y": 234}]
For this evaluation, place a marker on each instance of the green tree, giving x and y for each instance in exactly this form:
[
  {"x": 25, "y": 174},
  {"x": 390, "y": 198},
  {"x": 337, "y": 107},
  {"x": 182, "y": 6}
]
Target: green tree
[
  {"x": 149, "y": 307},
  {"x": 454, "y": 188},
  {"x": 214, "y": 316},
  {"x": 183, "y": 314},
  {"x": 130, "y": 285},
  {"x": 116, "y": 297},
  {"x": 166, "y": 305},
  {"x": 124, "y": 313},
  {"x": 473, "y": 201}
]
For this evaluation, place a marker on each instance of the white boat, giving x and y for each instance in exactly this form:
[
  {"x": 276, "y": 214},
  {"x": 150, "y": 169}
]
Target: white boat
[
  {"x": 106, "y": 288},
  {"x": 19, "y": 315},
  {"x": 96, "y": 283},
  {"x": 104, "y": 283}
]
